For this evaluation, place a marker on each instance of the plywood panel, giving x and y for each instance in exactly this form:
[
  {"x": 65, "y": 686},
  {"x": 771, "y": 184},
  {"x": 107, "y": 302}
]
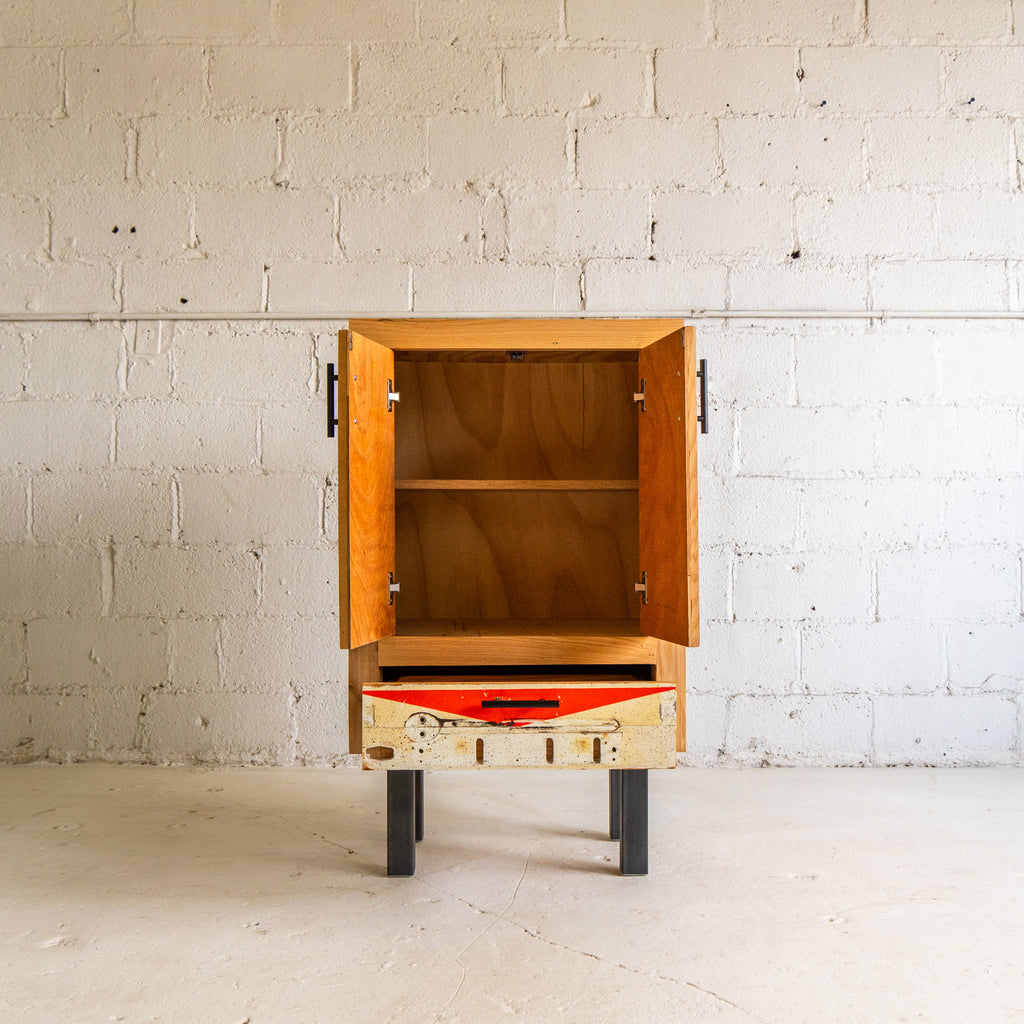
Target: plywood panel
[
  {"x": 671, "y": 667},
  {"x": 516, "y": 420},
  {"x": 668, "y": 489},
  {"x": 521, "y": 555},
  {"x": 520, "y": 334},
  {"x": 363, "y": 670},
  {"x": 370, "y": 532}
]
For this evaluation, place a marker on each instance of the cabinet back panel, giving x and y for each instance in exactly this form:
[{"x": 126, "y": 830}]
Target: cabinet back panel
[
  {"x": 515, "y": 554},
  {"x": 505, "y": 420}
]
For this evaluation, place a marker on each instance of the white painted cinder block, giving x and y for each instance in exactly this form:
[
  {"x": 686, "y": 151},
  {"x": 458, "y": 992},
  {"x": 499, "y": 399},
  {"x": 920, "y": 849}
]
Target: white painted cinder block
[
  {"x": 268, "y": 655},
  {"x": 723, "y": 224},
  {"x": 725, "y": 81},
  {"x": 333, "y": 287},
  {"x": 58, "y": 288},
  {"x": 310, "y": 21},
  {"x": 987, "y": 656},
  {"x": 194, "y": 284},
  {"x": 295, "y": 438},
  {"x": 171, "y": 21},
  {"x": 23, "y": 227},
  {"x": 744, "y": 657},
  {"x": 985, "y": 79},
  {"x": 38, "y": 153},
  {"x": 299, "y": 582},
  {"x": 23, "y": 23},
  {"x": 925, "y": 21},
  {"x": 30, "y": 83},
  {"x": 73, "y": 360},
  {"x": 939, "y": 285},
  {"x": 484, "y": 287},
  {"x": 639, "y": 285},
  {"x": 989, "y": 224},
  {"x": 40, "y": 581},
  {"x": 14, "y": 506},
  {"x": 13, "y": 658},
  {"x": 654, "y": 21},
  {"x": 798, "y": 284},
  {"x": 294, "y": 77},
  {"x": 560, "y": 80},
  {"x": 945, "y": 729},
  {"x": 42, "y": 435}
]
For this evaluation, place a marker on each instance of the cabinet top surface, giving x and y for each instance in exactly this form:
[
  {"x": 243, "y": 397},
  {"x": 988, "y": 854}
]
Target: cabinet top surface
[{"x": 517, "y": 333}]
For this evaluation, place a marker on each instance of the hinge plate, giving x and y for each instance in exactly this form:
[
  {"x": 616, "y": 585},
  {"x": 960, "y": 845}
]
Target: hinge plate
[
  {"x": 393, "y": 395},
  {"x": 641, "y": 396},
  {"x": 641, "y": 588},
  {"x": 393, "y": 588}
]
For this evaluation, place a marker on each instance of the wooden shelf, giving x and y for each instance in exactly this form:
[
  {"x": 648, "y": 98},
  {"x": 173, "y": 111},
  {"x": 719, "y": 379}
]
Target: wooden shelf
[
  {"x": 518, "y": 642},
  {"x": 516, "y": 485}
]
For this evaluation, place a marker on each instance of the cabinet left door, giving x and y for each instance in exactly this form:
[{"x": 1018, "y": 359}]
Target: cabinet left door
[{"x": 366, "y": 483}]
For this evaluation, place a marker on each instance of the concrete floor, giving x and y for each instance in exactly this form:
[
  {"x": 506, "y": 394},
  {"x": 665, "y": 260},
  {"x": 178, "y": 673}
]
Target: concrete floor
[{"x": 821, "y": 895}]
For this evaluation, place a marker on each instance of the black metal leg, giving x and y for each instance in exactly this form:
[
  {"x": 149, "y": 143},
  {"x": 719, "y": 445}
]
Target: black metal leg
[
  {"x": 401, "y": 822},
  {"x": 419, "y": 804},
  {"x": 614, "y": 802},
  {"x": 633, "y": 842}
]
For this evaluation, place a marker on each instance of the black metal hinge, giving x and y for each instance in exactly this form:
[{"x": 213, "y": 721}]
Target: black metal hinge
[
  {"x": 332, "y": 416},
  {"x": 702, "y": 374}
]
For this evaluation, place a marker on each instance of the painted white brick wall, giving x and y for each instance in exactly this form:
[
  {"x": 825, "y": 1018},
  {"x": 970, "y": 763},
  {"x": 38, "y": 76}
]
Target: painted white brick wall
[{"x": 169, "y": 505}]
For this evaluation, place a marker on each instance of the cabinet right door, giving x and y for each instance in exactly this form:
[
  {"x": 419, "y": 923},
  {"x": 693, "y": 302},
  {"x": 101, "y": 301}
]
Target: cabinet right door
[{"x": 668, "y": 488}]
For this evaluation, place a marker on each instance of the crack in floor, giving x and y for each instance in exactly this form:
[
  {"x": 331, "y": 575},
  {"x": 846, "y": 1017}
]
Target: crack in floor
[{"x": 651, "y": 975}]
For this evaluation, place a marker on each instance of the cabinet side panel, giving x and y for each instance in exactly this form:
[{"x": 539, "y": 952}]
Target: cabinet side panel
[
  {"x": 668, "y": 489},
  {"x": 371, "y": 490},
  {"x": 363, "y": 670}
]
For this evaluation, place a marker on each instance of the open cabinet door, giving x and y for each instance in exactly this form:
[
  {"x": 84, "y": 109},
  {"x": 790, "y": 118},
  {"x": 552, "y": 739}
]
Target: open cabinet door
[
  {"x": 668, "y": 489},
  {"x": 366, "y": 473}
]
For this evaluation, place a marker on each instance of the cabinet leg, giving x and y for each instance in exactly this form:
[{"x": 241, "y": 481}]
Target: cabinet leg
[
  {"x": 419, "y": 804},
  {"x": 633, "y": 842},
  {"x": 401, "y": 822},
  {"x": 614, "y": 802}
]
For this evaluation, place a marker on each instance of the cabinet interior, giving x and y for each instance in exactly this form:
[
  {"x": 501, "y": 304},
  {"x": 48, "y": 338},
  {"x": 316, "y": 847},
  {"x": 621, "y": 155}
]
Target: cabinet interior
[{"x": 516, "y": 487}]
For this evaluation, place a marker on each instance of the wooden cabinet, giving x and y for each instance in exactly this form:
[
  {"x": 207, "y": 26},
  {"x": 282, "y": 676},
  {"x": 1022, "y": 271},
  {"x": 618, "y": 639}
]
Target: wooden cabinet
[{"x": 518, "y": 541}]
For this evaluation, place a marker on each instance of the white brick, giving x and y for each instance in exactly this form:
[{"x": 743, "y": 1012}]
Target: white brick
[
  {"x": 13, "y": 657},
  {"x": 650, "y": 152},
  {"x": 30, "y": 82},
  {"x": 185, "y": 436},
  {"x": 324, "y": 287},
  {"x": 49, "y": 581},
  {"x": 149, "y": 376},
  {"x": 557, "y": 81},
  {"x": 13, "y": 509},
  {"x": 983, "y": 224},
  {"x": 76, "y": 360},
  {"x": 356, "y": 147},
  {"x": 321, "y": 720},
  {"x": 55, "y": 435},
  {"x": 91, "y": 507},
  {"x": 192, "y": 583},
  {"x": 803, "y": 586},
  {"x": 195, "y": 151},
  {"x": 948, "y": 585},
  {"x": 40, "y": 153},
  {"x": 194, "y": 655},
  {"x": 870, "y": 513},
  {"x": 719, "y": 82},
  {"x": 249, "y": 508},
  {"x": 425, "y": 79},
  {"x": 300, "y": 582},
  {"x": 943, "y": 441},
  {"x": 490, "y": 20},
  {"x": 866, "y": 223},
  {"x": 174, "y": 21},
  {"x": 484, "y": 287},
  {"x": 307, "y": 78},
  {"x": 879, "y": 657},
  {"x": 985, "y": 511},
  {"x": 23, "y": 226},
  {"x": 12, "y": 360},
  {"x": 57, "y": 728},
  {"x": 577, "y": 223},
  {"x": 744, "y": 657},
  {"x": 69, "y": 287},
  {"x": 492, "y": 150},
  {"x": 654, "y": 21},
  {"x": 806, "y": 442},
  {"x": 120, "y": 222},
  {"x": 872, "y": 79},
  {"x": 983, "y": 363},
  {"x": 798, "y": 284},
  {"x": 944, "y": 730},
  {"x": 939, "y": 21},
  {"x": 26, "y": 22},
  {"x": 646, "y": 285},
  {"x": 730, "y": 223},
  {"x": 431, "y": 224},
  {"x": 134, "y": 80},
  {"x": 310, "y": 21},
  {"x": 705, "y": 729},
  {"x": 264, "y": 655},
  {"x": 780, "y": 152},
  {"x": 294, "y": 438},
  {"x": 331, "y": 512},
  {"x": 939, "y": 285},
  {"x": 96, "y": 654},
  {"x": 224, "y": 362},
  {"x": 715, "y": 586},
  {"x": 754, "y": 514},
  {"x": 834, "y": 730},
  {"x": 195, "y": 285},
  {"x": 852, "y": 365},
  {"x": 990, "y": 657},
  {"x": 986, "y": 79},
  {"x": 934, "y": 152},
  {"x": 746, "y": 365},
  {"x": 219, "y": 728}
]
